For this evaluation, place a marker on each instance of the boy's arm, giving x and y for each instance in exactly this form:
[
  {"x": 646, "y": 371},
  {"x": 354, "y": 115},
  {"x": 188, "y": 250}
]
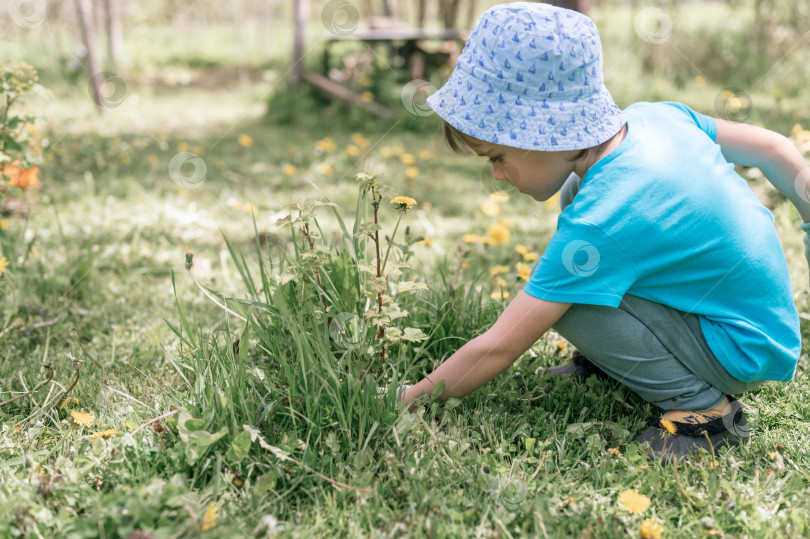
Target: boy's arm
[
  {"x": 521, "y": 324},
  {"x": 778, "y": 159}
]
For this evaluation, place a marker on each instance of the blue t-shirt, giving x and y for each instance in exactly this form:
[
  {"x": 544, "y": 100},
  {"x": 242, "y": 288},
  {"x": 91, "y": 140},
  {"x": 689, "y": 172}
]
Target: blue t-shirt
[{"x": 666, "y": 218}]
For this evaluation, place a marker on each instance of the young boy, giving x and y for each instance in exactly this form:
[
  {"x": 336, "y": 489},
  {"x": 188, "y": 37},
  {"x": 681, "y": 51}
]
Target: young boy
[{"x": 665, "y": 270}]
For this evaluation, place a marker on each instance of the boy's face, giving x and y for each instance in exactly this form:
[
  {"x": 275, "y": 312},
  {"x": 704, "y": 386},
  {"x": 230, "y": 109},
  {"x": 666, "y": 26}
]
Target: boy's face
[{"x": 537, "y": 174}]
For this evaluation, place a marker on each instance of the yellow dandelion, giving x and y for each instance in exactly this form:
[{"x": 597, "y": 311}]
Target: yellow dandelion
[
  {"x": 398, "y": 151},
  {"x": 326, "y": 170},
  {"x": 367, "y": 96},
  {"x": 210, "y": 517},
  {"x": 498, "y": 234},
  {"x": 651, "y": 529},
  {"x": 109, "y": 433},
  {"x": 427, "y": 241},
  {"x": 352, "y": 150},
  {"x": 3, "y": 224},
  {"x": 499, "y": 197},
  {"x": 560, "y": 346},
  {"x": 700, "y": 81},
  {"x": 495, "y": 270},
  {"x": 499, "y": 294},
  {"x": 363, "y": 80},
  {"x": 614, "y": 451},
  {"x": 531, "y": 256},
  {"x": 182, "y": 146},
  {"x": 84, "y": 419},
  {"x": 359, "y": 140},
  {"x": 153, "y": 159},
  {"x": 524, "y": 271},
  {"x": 490, "y": 208},
  {"x": 403, "y": 203},
  {"x": 411, "y": 172},
  {"x": 407, "y": 159},
  {"x": 633, "y": 502},
  {"x": 288, "y": 169},
  {"x": 470, "y": 238},
  {"x": 326, "y": 145},
  {"x": 386, "y": 152},
  {"x": 67, "y": 402},
  {"x": 246, "y": 141},
  {"x": 3, "y": 264},
  {"x": 465, "y": 266},
  {"x": 425, "y": 155},
  {"x": 500, "y": 282},
  {"x": 778, "y": 94},
  {"x": 669, "y": 426}
]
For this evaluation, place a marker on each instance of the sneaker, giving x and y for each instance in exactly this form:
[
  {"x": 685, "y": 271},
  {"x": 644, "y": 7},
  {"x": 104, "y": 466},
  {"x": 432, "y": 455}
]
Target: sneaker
[
  {"x": 580, "y": 368},
  {"x": 729, "y": 430}
]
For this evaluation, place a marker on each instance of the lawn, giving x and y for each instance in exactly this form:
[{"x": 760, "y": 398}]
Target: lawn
[{"x": 141, "y": 398}]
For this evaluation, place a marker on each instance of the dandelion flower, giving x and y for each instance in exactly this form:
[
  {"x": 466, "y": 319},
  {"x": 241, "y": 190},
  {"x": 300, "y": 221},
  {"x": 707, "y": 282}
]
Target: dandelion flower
[
  {"x": 495, "y": 270},
  {"x": 651, "y": 529},
  {"x": 403, "y": 203},
  {"x": 425, "y": 155},
  {"x": 352, "y": 150},
  {"x": 499, "y": 294},
  {"x": 700, "y": 81},
  {"x": 427, "y": 241},
  {"x": 524, "y": 271},
  {"x": 499, "y": 234},
  {"x": 490, "y": 208},
  {"x": 367, "y": 96},
  {"x": 614, "y": 451},
  {"x": 109, "y": 433},
  {"x": 182, "y": 146},
  {"x": 499, "y": 197},
  {"x": 84, "y": 419},
  {"x": 210, "y": 517},
  {"x": 407, "y": 159},
  {"x": 326, "y": 145},
  {"x": 68, "y": 401},
  {"x": 527, "y": 254},
  {"x": 386, "y": 152},
  {"x": 3, "y": 224},
  {"x": 288, "y": 169},
  {"x": 465, "y": 266},
  {"x": 669, "y": 426},
  {"x": 411, "y": 172},
  {"x": 470, "y": 238},
  {"x": 500, "y": 282},
  {"x": 778, "y": 94},
  {"x": 359, "y": 140},
  {"x": 326, "y": 170},
  {"x": 633, "y": 502}
]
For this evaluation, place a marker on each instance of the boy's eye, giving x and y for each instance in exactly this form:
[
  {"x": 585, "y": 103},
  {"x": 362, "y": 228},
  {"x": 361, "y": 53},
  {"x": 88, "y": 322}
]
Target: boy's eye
[{"x": 495, "y": 159}]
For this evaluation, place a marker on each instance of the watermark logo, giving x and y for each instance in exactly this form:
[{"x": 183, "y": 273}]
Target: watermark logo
[
  {"x": 487, "y": 178},
  {"x": 653, "y": 25},
  {"x": 508, "y": 491},
  {"x": 180, "y": 170},
  {"x": 28, "y": 13},
  {"x": 112, "y": 89},
  {"x": 414, "y": 97},
  {"x": 802, "y": 184},
  {"x": 340, "y": 17},
  {"x": 580, "y": 258},
  {"x": 733, "y": 104},
  {"x": 740, "y": 419},
  {"x": 348, "y": 330}
]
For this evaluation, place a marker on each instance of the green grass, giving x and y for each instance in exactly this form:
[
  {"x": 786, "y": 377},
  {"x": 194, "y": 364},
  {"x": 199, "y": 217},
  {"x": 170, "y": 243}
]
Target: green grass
[{"x": 102, "y": 252}]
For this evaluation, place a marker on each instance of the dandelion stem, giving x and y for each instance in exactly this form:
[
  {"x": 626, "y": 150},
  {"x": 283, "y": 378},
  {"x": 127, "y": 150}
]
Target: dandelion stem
[{"x": 390, "y": 243}]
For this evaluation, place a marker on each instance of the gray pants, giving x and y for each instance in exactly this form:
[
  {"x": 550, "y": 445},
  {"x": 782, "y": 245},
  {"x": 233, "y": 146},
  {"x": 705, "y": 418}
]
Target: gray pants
[{"x": 657, "y": 351}]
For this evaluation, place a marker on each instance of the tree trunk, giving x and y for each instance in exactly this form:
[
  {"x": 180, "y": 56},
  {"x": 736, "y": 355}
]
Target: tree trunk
[
  {"x": 84, "y": 9},
  {"x": 301, "y": 16},
  {"x": 115, "y": 37}
]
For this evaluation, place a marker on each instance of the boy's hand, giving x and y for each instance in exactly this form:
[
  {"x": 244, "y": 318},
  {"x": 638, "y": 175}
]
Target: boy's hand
[{"x": 806, "y": 228}]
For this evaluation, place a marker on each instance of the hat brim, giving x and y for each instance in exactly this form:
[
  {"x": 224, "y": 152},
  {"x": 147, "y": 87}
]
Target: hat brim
[{"x": 493, "y": 115}]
